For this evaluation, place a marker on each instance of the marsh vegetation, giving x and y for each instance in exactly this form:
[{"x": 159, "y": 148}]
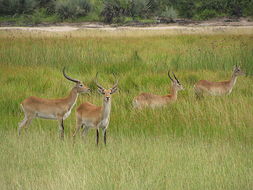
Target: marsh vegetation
[{"x": 190, "y": 144}]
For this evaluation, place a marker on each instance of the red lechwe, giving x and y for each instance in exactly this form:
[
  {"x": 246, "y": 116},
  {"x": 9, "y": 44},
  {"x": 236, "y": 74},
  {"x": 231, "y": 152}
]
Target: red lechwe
[
  {"x": 217, "y": 88},
  {"x": 91, "y": 116},
  {"x": 56, "y": 109},
  {"x": 152, "y": 100}
]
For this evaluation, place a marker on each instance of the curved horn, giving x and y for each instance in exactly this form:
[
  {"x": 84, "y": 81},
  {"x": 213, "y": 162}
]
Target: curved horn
[
  {"x": 116, "y": 83},
  {"x": 170, "y": 76},
  {"x": 175, "y": 77},
  {"x": 67, "y": 77},
  {"x": 96, "y": 81}
]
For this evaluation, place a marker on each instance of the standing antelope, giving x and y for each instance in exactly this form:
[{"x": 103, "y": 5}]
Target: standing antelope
[
  {"x": 152, "y": 100},
  {"x": 56, "y": 109},
  {"x": 91, "y": 116},
  {"x": 217, "y": 88}
]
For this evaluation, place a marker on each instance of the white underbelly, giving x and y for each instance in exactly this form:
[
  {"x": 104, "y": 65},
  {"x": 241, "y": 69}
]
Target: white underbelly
[
  {"x": 46, "y": 116},
  {"x": 88, "y": 123},
  {"x": 52, "y": 116}
]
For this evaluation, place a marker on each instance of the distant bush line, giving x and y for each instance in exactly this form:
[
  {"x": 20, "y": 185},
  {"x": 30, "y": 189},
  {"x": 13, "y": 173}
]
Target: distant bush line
[{"x": 118, "y": 11}]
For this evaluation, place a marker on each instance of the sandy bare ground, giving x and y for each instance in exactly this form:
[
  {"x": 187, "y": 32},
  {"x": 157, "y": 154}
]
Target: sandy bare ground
[
  {"x": 46, "y": 28},
  {"x": 213, "y": 27},
  {"x": 71, "y": 28},
  {"x": 180, "y": 24}
]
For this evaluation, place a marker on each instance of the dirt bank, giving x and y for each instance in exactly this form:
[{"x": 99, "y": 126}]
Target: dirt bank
[{"x": 178, "y": 25}]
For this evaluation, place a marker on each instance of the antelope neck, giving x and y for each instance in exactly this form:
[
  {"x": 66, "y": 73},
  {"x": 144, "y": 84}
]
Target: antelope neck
[
  {"x": 233, "y": 81},
  {"x": 173, "y": 92},
  {"x": 72, "y": 98},
  {"x": 106, "y": 109}
]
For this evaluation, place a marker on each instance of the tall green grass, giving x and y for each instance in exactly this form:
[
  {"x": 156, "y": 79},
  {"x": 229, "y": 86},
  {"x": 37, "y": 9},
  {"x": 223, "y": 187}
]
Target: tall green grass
[{"x": 190, "y": 144}]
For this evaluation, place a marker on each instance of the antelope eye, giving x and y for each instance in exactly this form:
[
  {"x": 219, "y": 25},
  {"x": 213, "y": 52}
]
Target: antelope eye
[{"x": 81, "y": 85}]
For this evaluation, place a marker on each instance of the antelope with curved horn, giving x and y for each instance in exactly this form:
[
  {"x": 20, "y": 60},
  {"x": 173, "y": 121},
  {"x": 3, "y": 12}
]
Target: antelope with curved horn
[
  {"x": 91, "y": 116},
  {"x": 55, "y": 109},
  {"x": 152, "y": 100},
  {"x": 217, "y": 88}
]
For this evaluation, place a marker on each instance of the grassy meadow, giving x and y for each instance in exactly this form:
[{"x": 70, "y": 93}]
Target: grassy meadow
[{"x": 190, "y": 144}]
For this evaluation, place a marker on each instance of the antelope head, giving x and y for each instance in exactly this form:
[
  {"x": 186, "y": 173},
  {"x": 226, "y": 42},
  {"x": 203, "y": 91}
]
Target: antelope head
[
  {"x": 237, "y": 71},
  {"x": 80, "y": 87},
  {"x": 106, "y": 92},
  {"x": 175, "y": 82}
]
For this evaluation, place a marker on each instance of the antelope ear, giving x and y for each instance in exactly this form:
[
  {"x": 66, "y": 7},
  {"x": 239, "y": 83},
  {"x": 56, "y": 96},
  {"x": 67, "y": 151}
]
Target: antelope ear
[
  {"x": 100, "y": 91},
  {"x": 113, "y": 90}
]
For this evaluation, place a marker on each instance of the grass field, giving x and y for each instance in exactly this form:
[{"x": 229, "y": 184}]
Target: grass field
[{"x": 191, "y": 144}]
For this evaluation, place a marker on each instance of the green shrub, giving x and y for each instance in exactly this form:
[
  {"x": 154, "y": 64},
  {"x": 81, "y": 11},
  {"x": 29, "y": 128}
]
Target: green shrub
[
  {"x": 113, "y": 9},
  {"x": 186, "y": 8},
  {"x": 169, "y": 13},
  {"x": 248, "y": 10},
  {"x": 48, "y": 5},
  {"x": 140, "y": 8},
  {"x": 72, "y": 8},
  {"x": 120, "y": 10},
  {"x": 206, "y": 14},
  {"x": 11, "y": 7},
  {"x": 41, "y": 15}
]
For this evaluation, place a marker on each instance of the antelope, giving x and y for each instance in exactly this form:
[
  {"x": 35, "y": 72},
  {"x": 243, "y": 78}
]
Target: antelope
[
  {"x": 55, "y": 109},
  {"x": 152, "y": 100},
  {"x": 217, "y": 88},
  {"x": 89, "y": 115}
]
